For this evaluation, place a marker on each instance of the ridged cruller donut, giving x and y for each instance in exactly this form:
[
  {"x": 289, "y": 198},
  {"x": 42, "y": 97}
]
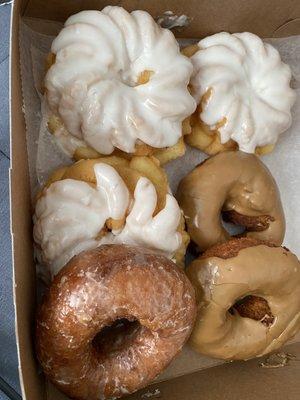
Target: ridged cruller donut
[
  {"x": 116, "y": 81},
  {"x": 238, "y": 187},
  {"x": 103, "y": 201},
  {"x": 112, "y": 320},
  {"x": 248, "y": 295},
  {"x": 243, "y": 93}
]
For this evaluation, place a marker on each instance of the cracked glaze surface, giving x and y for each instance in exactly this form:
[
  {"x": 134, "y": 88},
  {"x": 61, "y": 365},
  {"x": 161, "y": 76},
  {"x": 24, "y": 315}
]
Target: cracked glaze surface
[{"x": 97, "y": 288}]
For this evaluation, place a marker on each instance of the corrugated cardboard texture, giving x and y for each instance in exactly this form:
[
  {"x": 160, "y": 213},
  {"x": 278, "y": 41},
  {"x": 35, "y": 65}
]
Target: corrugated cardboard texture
[
  {"x": 262, "y": 17},
  {"x": 24, "y": 270},
  {"x": 236, "y": 381}
]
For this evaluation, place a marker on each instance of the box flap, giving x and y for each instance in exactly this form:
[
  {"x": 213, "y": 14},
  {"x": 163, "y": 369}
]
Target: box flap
[
  {"x": 24, "y": 269},
  {"x": 206, "y": 16},
  {"x": 234, "y": 381}
]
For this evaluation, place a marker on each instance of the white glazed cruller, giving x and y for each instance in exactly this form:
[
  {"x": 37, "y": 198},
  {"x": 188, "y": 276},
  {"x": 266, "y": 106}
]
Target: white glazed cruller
[
  {"x": 70, "y": 215},
  {"x": 250, "y": 96},
  {"x": 93, "y": 85}
]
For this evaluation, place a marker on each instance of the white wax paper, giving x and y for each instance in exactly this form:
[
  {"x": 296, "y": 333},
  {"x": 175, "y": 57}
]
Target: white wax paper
[{"x": 44, "y": 156}]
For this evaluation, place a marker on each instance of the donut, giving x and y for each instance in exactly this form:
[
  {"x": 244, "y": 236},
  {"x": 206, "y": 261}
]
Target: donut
[
  {"x": 243, "y": 93},
  {"x": 117, "y": 80},
  {"x": 248, "y": 294},
  {"x": 103, "y": 201},
  {"x": 237, "y": 186},
  {"x": 112, "y": 320}
]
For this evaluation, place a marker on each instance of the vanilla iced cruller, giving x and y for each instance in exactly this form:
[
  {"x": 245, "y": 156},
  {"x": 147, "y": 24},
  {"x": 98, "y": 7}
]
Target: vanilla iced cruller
[
  {"x": 243, "y": 91},
  {"x": 117, "y": 80},
  {"x": 70, "y": 217}
]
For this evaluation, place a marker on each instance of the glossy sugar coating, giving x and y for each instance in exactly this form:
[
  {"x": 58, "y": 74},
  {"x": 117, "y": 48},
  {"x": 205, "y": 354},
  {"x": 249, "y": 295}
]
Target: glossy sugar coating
[
  {"x": 97, "y": 288},
  {"x": 75, "y": 210},
  {"x": 118, "y": 80},
  {"x": 238, "y": 185},
  {"x": 227, "y": 273},
  {"x": 243, "y": 91}
]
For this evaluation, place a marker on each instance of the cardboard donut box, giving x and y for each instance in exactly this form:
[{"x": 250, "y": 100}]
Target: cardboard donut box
[{"x": 239, "y": 380}]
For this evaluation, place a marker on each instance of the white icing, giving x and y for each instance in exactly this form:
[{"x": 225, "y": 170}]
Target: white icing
[
  {"x": 71, "y": 213},
  {"x": 158, "y": 232},
  {"x": 92, "y": 86},
  {"x": 66, "y": 141},
  {"x": 250, "y": 88}
]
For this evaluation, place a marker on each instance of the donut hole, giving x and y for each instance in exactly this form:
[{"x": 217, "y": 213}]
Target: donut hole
[
  {"x": 131, "y": 79},
  {"x": 254, "y": 307},
  {"x": 232, "y": 227},
  {"x": 120, "y": 334},
  {"x": 250, "y": 223},
  {"x": 144, "y": 77},
  {"x": 192, "y": 252}
]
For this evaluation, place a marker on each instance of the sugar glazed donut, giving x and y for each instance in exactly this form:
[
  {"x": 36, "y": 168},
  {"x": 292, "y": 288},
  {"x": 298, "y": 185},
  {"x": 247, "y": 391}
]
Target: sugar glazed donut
[
  {"x": 237, "y": 186},
  {"x": 243, "y": 93},
  {"x": 117, "y": 80},
  {"x": 142, "y": 305},
  {"x": 249, "y": 299}
]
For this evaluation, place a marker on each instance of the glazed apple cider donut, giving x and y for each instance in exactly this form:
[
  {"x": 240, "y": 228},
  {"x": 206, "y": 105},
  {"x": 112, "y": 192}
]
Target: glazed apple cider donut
[
  {"x": 113, "y": 319},
  {"x": 248, "y": 294},
  {"x": 237, "y": 186}
]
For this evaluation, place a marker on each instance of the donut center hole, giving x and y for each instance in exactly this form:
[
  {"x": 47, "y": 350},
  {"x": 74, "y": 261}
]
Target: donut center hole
[
  {"x": 233, "y": 228},
  {"x": 130, "y": 79},
  {"x": 254, "y": 307},
  {"x": 236, "y": 223},
  {"x": 121, "y": 333},
  {"x": 144, "y": 77}
]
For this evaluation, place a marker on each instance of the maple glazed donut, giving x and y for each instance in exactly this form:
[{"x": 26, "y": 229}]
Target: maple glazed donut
[
  {"x": 142, "y": 305},
  {"x": 117, "y": 81},
  {"x": 243, "y": 93},
  {"x": 105, "y": 201},
  {"x": 248, "y": 295},
  {"x": 237, "y": 186}
]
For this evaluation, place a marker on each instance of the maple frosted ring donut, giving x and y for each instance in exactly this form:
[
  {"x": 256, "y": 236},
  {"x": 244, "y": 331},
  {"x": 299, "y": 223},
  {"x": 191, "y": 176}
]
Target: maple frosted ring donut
[
  {"x": 248, "y": 294},
  {"x": 238, "y": 187},
  {"x": 117, "y": 80},
  {"x": 83, "y": 343}
]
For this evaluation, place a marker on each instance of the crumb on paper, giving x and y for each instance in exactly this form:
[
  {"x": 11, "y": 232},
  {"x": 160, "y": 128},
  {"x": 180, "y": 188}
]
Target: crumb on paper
[
  {"x": 170, "y": 20},
  {"x": 277, "y": 360},
  {"x": 156, "y": 393}
]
